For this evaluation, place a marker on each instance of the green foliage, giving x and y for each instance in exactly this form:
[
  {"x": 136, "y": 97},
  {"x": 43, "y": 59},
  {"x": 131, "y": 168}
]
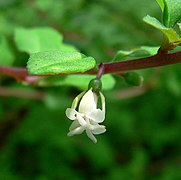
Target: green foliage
[
  {"x": 6, "y": 54},
  {"x": 78, "y": 81},
  {"x": 142, "y": 140},
  {"x": 179, "y": 25},
  {"x": 108, "y": 81},
  {"x": 56, "y": 62},
  {"x": 171, "y": 15},
  {"x": 143, "y": 51},
  {"x": 161, "y": 4},
  {"x": 170, "y": 34},
  {"x": 172, "y": 12},
  {"x": 35, "y": 40}
]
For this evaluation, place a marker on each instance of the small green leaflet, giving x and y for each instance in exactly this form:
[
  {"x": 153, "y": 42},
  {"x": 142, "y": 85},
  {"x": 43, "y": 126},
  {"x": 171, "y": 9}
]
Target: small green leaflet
[
  {"x": 171, "y": 35},
  {"x": 140, "y": 52},
  {"x": 161, "y": 4},
  {"x": 33, "y": 40},
  {"x": 56, "y": 62},
  {"x": 171, "y": 11}
]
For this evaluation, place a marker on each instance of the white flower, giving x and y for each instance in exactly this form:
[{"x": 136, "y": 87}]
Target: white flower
[{"x": 88, "y": 115}]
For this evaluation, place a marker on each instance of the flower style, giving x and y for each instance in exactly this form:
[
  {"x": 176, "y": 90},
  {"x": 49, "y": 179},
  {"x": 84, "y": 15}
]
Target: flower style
[{"x": 88, "y": 116}]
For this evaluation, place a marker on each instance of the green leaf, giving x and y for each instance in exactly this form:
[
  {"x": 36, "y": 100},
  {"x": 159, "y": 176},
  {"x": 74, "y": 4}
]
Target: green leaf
[
  {"x": 169, "y": 33},
  {"x": 179, "y": 26},
  {"x": 140, "y": 52},
  {"x": 122, "y": 55},
  {"x": 6, "y": 55},
  {"x": 82, "y": 81},
  {"x": 172, "y": 12},
  {"x": 67, "y": 47},
  {"x": 151, "y": 50},
  {"x": 161, "y": 4},
  {"x": 79, "y": 81},
  {"x": 56, "y": 62},
  {"x": 34, "y": 40}
]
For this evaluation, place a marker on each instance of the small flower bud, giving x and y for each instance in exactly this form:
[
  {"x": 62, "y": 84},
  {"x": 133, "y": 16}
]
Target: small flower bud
[{"x": 133, "y": 78}]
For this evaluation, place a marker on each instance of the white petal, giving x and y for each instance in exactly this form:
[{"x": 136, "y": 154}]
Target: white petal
[
  {"x": 92, "y": 122},
  {"x": 71, "y": 113},
  {"x": 97, "y": 115},
  {"x": 103, "y": 102},
  {"x": 95, "y": 98},
  {"x": 76, "y": 131},
  {"x": 98, "y": 129},
  {"x": 87, "y": 103},
  {"x": 91, "y": 136},
  {"x": 81, "y": 120},
  {"x": 76, "y": 100},
  {"x": 74, "y": 125}
]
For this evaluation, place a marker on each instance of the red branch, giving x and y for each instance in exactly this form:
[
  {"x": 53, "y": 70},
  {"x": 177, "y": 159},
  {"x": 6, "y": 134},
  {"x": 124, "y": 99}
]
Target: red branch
[
  {"x": 18, "y": 73},
  {"x": 161, "y": 59}
]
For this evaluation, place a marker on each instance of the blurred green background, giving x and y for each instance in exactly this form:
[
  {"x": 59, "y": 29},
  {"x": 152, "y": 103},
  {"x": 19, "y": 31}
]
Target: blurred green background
[{"x": 143, "y": 124}]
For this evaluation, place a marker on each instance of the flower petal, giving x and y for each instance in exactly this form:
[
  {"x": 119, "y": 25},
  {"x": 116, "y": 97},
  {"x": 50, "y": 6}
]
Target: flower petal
[
  {"x": 77, "y": 99},
  {"x": 76, "y": 131},
  {"x": 91, "y": 136},
  {"x": 98, "y": 129},
  {"x": 103, "y": 102},
  {"x": 97, "y": 115},
  {"x": 87, "y": 103},
  {"x": 74, "y": 125},
  {"x": 81, "y": 120},
  {"x": 71, "y": 113}
]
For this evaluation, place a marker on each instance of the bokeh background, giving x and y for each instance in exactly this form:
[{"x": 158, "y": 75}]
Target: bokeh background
[{"x": 143, "y": 124}]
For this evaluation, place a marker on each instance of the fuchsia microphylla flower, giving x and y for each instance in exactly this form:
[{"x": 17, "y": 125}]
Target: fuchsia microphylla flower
[{"x": 88, "y": 116}]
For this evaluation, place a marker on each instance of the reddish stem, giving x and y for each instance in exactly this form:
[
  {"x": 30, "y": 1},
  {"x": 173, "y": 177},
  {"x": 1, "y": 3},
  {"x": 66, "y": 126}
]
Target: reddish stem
[
  {"x": 18, "y": 73},
  {"x": 100, "y": 71},
  {"x": 161, "y": 59}
]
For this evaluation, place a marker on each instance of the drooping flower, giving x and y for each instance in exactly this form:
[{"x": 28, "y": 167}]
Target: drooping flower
[{"x": 88, "y": 116}]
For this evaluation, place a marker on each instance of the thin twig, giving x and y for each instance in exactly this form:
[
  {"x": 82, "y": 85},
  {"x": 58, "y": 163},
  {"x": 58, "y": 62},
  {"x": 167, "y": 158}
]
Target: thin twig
[
  {"x": 21, "y": 93},
  {"x": 161, "y": 59},
  {"x": 100, "y": 71}
]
